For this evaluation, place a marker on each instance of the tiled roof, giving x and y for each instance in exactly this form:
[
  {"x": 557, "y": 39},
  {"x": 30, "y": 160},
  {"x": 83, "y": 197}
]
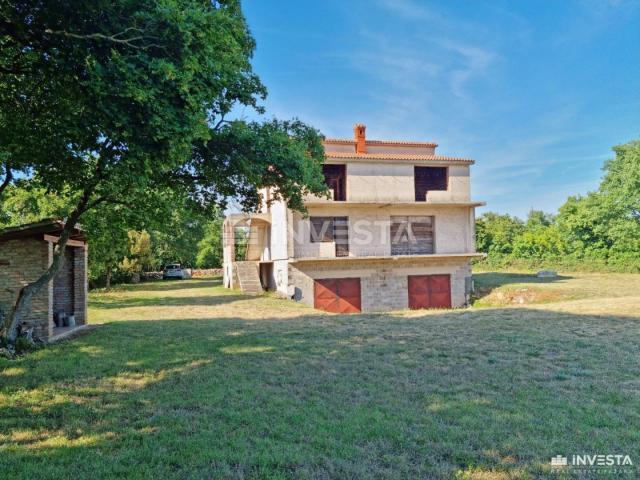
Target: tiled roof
[
  {"x": 398, "y": 156},
  {"x": 346, "y": 141}
]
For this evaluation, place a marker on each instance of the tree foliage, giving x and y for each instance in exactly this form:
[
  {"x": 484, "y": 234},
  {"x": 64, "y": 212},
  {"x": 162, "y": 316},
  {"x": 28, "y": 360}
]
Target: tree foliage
[
  {"x": 600, "y": 229},
  {"x": 496, "y": 233},
  {"x": 140, "y": 256},
  {"x": 210, "y": 247},
  {"x": 110, "y": 102}
]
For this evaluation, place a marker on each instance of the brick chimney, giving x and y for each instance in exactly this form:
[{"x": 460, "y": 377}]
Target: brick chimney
[{"x": 358, "y": 133}]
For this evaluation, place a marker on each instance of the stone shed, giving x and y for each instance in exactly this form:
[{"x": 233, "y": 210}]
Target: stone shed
[{"x": 25, "y": 253}]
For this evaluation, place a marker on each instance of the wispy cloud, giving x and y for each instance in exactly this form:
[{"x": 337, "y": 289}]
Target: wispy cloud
[
  {"x": 535, "y": 95},
  {"x": 473, "y": 62},
  {"x": 410, "y": 10}
]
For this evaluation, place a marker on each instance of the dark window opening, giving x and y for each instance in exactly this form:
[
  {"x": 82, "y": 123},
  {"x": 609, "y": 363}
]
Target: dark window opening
[
  {"x": 331, "y": 229},
  {"x": 321, "y": 229},
  {"x": 335, "y": 176},
  {"x": 341, "y": 236},
  {"x": 429, "y": 178},
  {"x": 412, "y": 235}
]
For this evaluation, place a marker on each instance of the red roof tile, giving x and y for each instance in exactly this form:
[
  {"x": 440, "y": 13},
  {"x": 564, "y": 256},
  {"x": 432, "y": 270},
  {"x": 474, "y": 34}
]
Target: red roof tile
[{"x": 398, "y": 156}]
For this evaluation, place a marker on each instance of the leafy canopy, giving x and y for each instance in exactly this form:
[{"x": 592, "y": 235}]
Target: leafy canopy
[
  {"x": 601, "y": 228},
  {"x": 108, "y": 99}
]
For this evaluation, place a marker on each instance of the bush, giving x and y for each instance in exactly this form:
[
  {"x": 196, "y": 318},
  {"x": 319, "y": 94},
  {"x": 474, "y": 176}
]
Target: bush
[{"x": 567, "y": 263}]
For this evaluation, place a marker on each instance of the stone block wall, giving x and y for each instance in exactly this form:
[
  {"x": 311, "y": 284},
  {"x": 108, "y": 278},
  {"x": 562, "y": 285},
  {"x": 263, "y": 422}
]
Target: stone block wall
[
  {"x": 383, "y": 283},
  {"x": 63, "y": 288},
  {"x": 80, "y": 284},
  {"x": 21, "y": 262}
]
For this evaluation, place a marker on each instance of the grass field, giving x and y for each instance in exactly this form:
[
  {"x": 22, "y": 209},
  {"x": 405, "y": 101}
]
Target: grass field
[{"x": 188, "y": 380}]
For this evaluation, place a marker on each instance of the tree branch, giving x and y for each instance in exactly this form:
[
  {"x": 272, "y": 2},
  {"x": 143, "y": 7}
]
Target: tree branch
[
  {"x": 112, "y": 200},
  {"x": 128, "y": 42},
  {"x": 7, "y": 179}
]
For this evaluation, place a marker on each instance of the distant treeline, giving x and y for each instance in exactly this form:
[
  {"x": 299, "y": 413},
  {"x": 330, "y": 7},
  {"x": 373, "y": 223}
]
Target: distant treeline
[
  {"x": 596, "y": 232},
  {"x": 125, "y": 240}
]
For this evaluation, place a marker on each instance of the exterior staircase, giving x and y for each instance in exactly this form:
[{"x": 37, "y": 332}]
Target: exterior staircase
[{"x": 249, "y": 278}]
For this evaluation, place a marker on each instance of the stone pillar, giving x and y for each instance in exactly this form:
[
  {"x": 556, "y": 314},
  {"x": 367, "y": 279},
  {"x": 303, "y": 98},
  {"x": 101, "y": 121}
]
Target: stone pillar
[
  {"x": 49, "y": 290},
  {"x": 80, "y": 287}
]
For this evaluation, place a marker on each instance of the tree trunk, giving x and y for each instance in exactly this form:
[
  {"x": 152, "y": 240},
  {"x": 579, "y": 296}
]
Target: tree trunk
[
  {"x": 12, "y": 320},
  {"x": 7, "y": 179},
  {"x": 108, "y": 282}
]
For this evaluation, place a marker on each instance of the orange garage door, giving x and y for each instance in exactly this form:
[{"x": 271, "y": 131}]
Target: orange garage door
[
  {"x": 338, "y": 295},
  {"x": 429, "y": 291}
]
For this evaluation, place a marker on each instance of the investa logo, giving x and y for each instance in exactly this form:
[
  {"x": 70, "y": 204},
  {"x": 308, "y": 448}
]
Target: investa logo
[{"x": 592, "y": 460}]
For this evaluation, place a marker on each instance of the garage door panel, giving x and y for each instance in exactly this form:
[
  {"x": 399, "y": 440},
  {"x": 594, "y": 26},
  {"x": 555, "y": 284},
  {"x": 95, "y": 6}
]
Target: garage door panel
[
  {"x": 349, "y": 288},
  {"x": 429, "y": 291},
  {"x": 418, "y": 284},
  {"x": 440, "y": 283},
  {"x": 325, "y": 290},
  {"x": 440, "y": 300},
  {"x": 340, "y": 295},
  {"x": 419, "y": 300},
  {"x": 348, "y": 306}
]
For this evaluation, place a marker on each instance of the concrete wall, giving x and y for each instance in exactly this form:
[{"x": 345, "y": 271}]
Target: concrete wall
[
  {"x": 383, "y": 283},
  {"x": 369, "y": 229},
  {"x": 228, "y": 250},
  {"x": 280, "y": 245},
  {"x": 394, "y": 182},
  {"x": 385, "y": 148}
]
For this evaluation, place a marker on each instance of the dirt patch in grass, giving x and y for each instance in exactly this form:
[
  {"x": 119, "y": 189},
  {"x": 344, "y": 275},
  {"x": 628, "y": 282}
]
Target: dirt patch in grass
[{"x": 517, "y": 296}]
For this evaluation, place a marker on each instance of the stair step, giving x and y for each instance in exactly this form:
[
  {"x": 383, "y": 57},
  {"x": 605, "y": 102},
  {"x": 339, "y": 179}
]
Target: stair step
[{"x": 249, "y": 278}]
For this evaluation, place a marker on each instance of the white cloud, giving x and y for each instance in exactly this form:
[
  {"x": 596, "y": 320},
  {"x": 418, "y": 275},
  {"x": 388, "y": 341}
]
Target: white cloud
[{"x": 473, "y": 62}]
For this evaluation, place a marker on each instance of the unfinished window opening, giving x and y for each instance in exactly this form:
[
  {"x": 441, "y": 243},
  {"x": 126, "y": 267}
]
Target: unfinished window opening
[
  {"x": 341, "y": 236},
  {"x": 321, "y": 229},
  {"x": 412, "y": 235},
  {"x": 429, "y": 178},
  {"x": 331, "y": 229},
  {"x": 241, "y": 242},
  {"x": 335, "y": 176}
]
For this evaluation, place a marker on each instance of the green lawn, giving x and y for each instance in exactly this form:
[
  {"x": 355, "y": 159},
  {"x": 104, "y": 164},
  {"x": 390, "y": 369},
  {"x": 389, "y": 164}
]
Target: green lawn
[{"x": 188, "y": 380}]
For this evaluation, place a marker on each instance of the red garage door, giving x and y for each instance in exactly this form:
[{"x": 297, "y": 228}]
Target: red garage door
[
  {"x": 338, "y": 295},
  {"x": 429, "y": 291}
]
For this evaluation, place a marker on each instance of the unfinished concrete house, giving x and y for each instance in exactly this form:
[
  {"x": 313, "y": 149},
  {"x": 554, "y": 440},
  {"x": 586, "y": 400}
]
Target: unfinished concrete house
[
  {"x": 25, "y": 253},
  {"x": 398, "y": 231}
]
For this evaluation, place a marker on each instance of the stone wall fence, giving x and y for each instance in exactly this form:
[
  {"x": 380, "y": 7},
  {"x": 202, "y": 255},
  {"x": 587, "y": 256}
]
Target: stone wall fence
[{"x": 194, "y": 272}]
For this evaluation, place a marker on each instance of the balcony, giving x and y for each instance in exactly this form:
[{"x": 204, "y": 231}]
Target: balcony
[{"x": 373, "y": 255}]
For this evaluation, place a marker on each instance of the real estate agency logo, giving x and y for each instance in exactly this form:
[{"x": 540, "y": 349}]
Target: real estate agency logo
[{"x": 604, "y": 463}]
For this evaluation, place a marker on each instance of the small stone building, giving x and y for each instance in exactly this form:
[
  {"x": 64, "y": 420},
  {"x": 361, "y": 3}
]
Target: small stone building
[{"x": 25, "y": 253}]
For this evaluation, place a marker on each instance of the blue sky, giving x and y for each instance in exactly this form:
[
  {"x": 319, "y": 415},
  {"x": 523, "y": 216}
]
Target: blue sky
[{"x": 536, "y": 92}]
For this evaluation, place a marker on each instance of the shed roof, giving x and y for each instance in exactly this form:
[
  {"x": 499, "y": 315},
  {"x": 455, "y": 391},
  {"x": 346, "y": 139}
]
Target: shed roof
[{"x": 38, "y": 229}]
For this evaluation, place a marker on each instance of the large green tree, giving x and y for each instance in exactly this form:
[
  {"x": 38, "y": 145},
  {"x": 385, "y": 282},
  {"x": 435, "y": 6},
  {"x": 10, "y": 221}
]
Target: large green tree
[
  {"x": 600, "y": 228},
  {"x": 108, "y": 100},
  {"x": 495, "y": 233},
  {"x": 606, "y": 223}
]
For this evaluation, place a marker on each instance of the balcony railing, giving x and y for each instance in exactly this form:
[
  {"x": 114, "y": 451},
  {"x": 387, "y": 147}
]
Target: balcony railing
[{"x": 327, "y": 250}]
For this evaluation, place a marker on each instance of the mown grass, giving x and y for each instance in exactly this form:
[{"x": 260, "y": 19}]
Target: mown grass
[
  {"x": 504, "y": 288},
  {"x": 188, "y": 380}
]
